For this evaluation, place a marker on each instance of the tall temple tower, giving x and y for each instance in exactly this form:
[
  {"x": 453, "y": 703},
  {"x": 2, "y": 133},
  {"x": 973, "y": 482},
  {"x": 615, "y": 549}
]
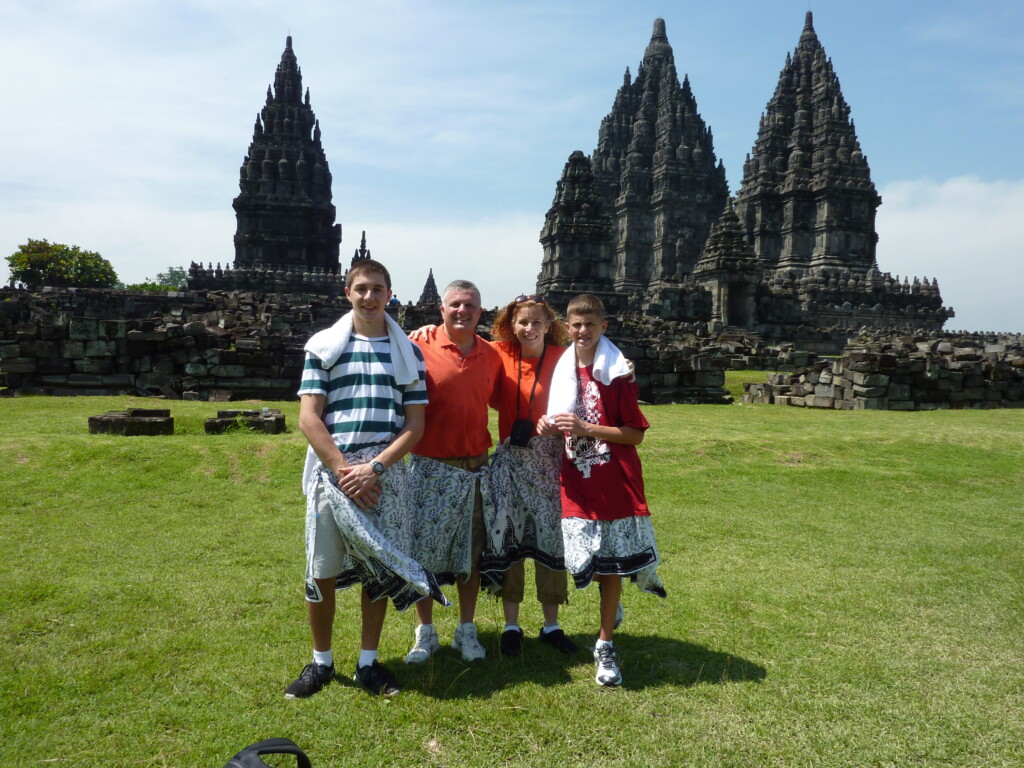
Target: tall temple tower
[
  {"x": 284, "y": 210},
  {"x": 656, "y": 172},
  {"x": 807, "y": 199},
  {"x": 578, "y": 235}
]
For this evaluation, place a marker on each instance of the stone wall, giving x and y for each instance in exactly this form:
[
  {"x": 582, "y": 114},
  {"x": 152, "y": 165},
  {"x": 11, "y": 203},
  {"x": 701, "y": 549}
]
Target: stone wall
[
  {"x": 913, "y": 373},
  {"x": 237, "y": 345},
  {"x": 198, "y": 345}
]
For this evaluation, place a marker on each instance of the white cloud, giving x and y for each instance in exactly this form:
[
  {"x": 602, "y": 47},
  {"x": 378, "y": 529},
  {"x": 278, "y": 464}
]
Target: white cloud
[{"x": 965, "y": 232}]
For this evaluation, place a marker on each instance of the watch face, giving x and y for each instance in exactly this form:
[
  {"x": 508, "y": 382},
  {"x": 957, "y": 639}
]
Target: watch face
[{"x": 377, "y": 467}]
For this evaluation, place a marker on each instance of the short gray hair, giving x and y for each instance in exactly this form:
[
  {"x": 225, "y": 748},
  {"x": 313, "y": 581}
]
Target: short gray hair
[{"x": 460, "y": 285}]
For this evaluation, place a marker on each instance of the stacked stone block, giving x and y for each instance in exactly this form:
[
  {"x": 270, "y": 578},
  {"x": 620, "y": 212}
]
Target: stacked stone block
[{"x": 912, "y": 374}]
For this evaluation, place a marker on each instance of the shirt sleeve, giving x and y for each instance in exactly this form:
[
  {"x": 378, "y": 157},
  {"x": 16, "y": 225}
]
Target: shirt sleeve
[
  {"x": 416, "y": 394},
  {"x": 314, "y": 378},
  {"x": 627, "y": 400}
]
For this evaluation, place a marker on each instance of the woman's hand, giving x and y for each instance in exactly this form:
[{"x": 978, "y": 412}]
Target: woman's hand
[
  {"x": 545, "y": 427},
  {"x": 571, "y": 423}
]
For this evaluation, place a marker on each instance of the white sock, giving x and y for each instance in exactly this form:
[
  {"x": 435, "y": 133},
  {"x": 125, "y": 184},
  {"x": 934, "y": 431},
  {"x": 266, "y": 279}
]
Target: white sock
[
  {"x": 601, "y": 643},
  {"x": 325, "y": 658},
  {"x": 366, "y": 658},
  {"x": 549, "y": 628},
  {"x": 428, "y": 628},
  {"x": 513, "y": 628}
]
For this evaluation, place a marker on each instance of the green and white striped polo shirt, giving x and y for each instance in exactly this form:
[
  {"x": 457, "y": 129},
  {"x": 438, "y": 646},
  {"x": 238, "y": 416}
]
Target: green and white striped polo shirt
[{"x": 365, "y": 406}]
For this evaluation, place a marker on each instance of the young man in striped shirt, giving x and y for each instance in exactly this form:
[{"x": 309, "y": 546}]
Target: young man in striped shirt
[{"x": 362, "y": 402}]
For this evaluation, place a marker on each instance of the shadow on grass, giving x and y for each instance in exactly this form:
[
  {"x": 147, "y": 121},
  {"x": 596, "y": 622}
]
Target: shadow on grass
[
  {"x": 646, "y": 662},
  {"x": 653, "y": 661}
]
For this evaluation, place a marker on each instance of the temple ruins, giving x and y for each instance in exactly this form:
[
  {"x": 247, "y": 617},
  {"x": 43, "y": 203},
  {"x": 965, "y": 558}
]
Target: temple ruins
[{"x": 697, "y": 281}]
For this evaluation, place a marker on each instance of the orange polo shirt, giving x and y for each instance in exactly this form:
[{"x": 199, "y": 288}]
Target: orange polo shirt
[
  {"x": 506, "y": 394},
  {"x": 458, "y": 390}
]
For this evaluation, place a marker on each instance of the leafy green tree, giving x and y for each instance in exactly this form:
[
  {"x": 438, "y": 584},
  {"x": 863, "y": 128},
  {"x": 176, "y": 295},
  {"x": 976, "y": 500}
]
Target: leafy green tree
[{"x": 40, "y": 262}]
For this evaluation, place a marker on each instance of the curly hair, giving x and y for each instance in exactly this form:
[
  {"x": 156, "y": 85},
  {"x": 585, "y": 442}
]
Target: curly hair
[{"x": 502, "y": 330}]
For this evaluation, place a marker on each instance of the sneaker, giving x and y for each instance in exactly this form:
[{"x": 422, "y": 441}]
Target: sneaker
[
  {"x": 607, "y": 666},
  {"x": 313, "y": 678},
  {"x": 377, "y": 680},
  {"x": 511, "y": 642},
  {"x": 558, "y": 639},
  {"x": 425, "y": 646},
  {"x": 465, "y": 640}
]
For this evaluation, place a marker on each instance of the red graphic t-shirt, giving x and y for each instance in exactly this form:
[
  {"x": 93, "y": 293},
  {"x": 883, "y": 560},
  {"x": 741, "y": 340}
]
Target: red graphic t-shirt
[{"x": 601, "y": 480}]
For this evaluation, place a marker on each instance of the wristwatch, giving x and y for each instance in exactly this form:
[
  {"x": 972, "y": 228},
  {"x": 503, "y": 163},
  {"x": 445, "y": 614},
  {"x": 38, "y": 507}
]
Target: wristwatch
[{"x": 377, "y": 467}]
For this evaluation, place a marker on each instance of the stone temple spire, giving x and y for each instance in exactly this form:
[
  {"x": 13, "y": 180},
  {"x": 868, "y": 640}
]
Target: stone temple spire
[
  {"x": 807, "y": 199},
  {"x": 429, "y": 297},
  {"x": 578, "y": 234},
  {"x": 729, "y": 270},
  {"x": 361, "y": 253},
  {"x": 284, "y": 211},
  {"x": 656, "y": 169}
]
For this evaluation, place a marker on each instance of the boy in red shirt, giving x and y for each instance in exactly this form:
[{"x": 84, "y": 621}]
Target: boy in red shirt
[{"x": 606, "y": 525}]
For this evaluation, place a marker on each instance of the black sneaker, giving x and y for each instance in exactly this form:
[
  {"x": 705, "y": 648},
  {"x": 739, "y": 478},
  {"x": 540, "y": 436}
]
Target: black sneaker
[
  {"x": 313, "y": 678},
  {"x": 558, "y": 639},
  {"x": 511, "y": 642},
  {"x": 377, "y": 680}
]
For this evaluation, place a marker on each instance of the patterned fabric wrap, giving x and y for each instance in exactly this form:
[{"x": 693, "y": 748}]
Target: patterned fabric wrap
[
  {"x": 527, "y": 506},
  {"x": 443, "y": 498},
  {"x": 625, "y": 546},
  {"x": 377, "y": 539}
]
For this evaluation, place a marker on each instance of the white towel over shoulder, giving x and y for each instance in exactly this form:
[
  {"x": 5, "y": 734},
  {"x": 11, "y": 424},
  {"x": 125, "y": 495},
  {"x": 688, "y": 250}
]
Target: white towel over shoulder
[
  {"x": 609, "y": 363},
  {"x": 329, "y": 343}
]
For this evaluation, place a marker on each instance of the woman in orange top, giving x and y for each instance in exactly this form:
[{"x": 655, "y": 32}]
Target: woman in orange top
[{"x": 525, "y": 472}]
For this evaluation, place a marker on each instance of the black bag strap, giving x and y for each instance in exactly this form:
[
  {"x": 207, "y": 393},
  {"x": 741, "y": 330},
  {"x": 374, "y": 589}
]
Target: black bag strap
[
  {"x": 249, "y": 757},
  {"x": 536, "y": 376}
]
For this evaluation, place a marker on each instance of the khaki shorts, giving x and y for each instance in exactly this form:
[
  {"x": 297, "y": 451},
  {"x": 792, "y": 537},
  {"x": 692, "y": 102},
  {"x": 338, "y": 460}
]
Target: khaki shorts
[{"x": 552, "y": 586}]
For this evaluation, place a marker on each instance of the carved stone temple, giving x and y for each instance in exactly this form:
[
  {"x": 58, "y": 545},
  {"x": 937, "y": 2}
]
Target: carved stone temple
[
  {"x": 286, "y": 234},
  {"x": 646, "y": 221}
]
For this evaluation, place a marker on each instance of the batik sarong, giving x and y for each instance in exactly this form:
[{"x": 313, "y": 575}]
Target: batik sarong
[
  {"x": 526, "y": 517},
  {"x": 442, "y": 501},
  {"x": 376, "y": 540},
  {"x": 625, "y": 547}
]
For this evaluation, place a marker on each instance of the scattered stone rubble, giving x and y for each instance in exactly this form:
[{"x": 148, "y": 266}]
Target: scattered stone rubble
[
  {"x": 912, "y": 373},
  {"x": 678, "y": 362}
]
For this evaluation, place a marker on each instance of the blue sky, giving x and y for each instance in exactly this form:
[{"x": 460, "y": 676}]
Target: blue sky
[{"x": 447, "y": 123}]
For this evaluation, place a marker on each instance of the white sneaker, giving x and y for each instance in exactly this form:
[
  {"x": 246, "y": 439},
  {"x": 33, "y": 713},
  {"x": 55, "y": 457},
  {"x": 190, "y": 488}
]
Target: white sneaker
[
  {"x": 465, "y": 640},
  {"x": 426, "y": 645},
  {"x": 607, "y": 666}
]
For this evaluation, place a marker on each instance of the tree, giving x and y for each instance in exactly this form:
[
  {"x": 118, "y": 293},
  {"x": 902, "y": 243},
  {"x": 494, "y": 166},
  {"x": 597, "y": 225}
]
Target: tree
[
  {"x": 40, "y": 262},
  {"x": 172, "y": 278}
]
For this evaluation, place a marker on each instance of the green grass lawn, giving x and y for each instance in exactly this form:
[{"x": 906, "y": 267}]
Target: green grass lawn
[{"x": 845, "y": 589}]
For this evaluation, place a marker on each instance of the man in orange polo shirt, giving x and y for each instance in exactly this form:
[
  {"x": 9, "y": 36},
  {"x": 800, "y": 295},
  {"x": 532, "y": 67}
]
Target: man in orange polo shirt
[{"x": 447, "y": 468}]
